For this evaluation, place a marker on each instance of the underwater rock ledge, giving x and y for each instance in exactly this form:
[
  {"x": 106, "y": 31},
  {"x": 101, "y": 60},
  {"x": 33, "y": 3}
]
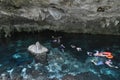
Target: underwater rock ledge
[{"x": 73, "y": 16}]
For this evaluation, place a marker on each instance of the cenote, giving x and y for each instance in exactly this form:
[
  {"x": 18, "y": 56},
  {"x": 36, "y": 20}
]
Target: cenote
[{"x": 16, "y": 61}]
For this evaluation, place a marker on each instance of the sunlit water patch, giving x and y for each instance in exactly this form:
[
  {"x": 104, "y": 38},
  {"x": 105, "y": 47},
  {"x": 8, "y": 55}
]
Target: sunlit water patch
[{"x": 15, "y": 59}]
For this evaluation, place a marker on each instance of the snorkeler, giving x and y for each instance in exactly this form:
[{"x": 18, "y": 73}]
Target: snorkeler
[
  {"x": 101, "y": 54},
  {"x": 97, "y": 63},
  {"x": 104, "y": 54},
  {"x": 62, "y": 47},
  {"x": 56, "y": 39},
  {"x": 110, "y": 64},
  {"x": 101, "y": 61},
  {"x": 72, "y": 46},
  {"x": 93, "y": 54},
  {"x": 77, "y": 48}
]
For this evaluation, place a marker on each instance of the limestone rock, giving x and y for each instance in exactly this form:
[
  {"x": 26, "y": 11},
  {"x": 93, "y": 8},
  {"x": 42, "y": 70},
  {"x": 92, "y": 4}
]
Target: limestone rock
[
  {"x": 76, "y": 16},
  {"x": 68, "y": 77},
  {"x": 87, "y": 76},
  {"x": 4, "y": 77},
  {"x": 39, "y": 51},
  {"x": 37, "y": 48},
  {"x": 56, "y": 14}
]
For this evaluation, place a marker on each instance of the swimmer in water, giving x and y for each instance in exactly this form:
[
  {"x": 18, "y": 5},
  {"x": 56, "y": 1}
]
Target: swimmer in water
[
  {"x": 110, "y": 64},
  {"x": 77, "y": 48},
  {"x": 90, "y": 53},
  {"x": 62, "y": 47},
  {"x": 101, "y": 54},
  {"x": 73, "y": 46},
  {"x": 97, "y": 61},
  {"x": 93, "y": 54},
  {"x": 104, "y": 54},
  {"x": 56, "y": 42},
  {"x": 56, "y": 39}
]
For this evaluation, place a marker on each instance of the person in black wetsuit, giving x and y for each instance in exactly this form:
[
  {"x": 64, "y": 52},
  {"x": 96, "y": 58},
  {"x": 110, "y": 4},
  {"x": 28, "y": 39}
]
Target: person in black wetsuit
[
  {"x": 56, "y": 43},
  {"x": 77, "y": 48},
  {"x": 62, "y": 47}
]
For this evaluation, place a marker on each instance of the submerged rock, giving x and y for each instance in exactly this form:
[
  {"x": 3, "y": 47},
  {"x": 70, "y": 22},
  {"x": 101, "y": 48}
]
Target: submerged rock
[
  {"x": 4, "y": 76},
  {"x": 39, "y": 51},
  {"x": 68, "y": 77},
  {"x": 87, "y": 76},
  {"x": 37, "y": 48}
]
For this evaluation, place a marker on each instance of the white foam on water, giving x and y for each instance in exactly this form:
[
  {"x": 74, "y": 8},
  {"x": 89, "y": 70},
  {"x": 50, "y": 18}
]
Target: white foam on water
[
  {"x": 23, "y": 73},
  {"x": 16, "y": 56},
  {"x": 1, "y": 65},
  {"x": 37, "y": 66},
  {"x": 10, "y": 73}
]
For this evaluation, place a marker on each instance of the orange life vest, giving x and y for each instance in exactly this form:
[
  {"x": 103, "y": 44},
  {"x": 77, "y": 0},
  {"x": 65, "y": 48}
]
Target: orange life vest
[{"x": 108, "y": 54}]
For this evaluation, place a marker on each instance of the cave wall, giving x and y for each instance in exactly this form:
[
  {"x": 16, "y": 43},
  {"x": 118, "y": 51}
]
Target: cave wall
[{"x": 76, "y": 16}]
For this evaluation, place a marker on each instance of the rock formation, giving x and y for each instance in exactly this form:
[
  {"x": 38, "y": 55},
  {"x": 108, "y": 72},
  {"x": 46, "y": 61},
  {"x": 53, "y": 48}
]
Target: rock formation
[
  {"x": 39, "y": 52},
  {"x": 78, "y": 16},
  {"x": 87, "y": 76}
]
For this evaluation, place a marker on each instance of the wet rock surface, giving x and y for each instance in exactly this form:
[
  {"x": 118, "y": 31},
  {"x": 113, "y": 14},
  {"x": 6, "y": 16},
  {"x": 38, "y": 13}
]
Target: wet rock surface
[
  {"x": 78, "y": 16},
  {"x": 68, "y": 77},
  {"x": 82, "y": 76},
  {"x": 39, "y": 51},
  {"x": 87, "y": 76}
]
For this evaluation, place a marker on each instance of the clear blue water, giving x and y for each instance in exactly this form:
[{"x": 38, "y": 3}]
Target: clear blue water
[{"x": 14, "y": 55}]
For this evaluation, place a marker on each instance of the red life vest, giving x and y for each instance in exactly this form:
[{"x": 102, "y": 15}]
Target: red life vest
[{"x": 108, "y": 54}]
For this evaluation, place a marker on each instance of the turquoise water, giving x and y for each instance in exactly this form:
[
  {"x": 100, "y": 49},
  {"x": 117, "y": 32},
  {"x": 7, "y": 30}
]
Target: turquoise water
[{"x": 14, "y": 57}]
